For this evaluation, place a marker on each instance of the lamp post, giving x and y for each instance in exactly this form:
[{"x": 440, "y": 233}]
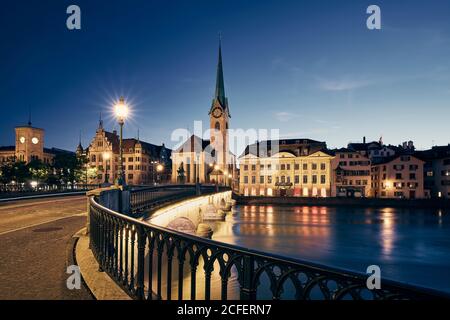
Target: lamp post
[
  {"x": 159, "y": 169},
  {"x": 106, "y": 157},
  {"x": 121, "y": 112}
]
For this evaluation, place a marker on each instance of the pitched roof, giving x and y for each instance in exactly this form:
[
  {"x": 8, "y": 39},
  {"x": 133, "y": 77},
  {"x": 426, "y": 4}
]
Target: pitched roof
[{"x": 193, "y": 144}]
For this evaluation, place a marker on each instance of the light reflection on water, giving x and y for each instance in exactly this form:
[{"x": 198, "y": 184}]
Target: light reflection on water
[{"x": 410, "y": 245}]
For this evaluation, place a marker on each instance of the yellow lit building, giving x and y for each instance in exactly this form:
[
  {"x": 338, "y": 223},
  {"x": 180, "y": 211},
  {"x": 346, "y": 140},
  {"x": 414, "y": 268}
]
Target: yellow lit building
[{"x": 292, "y": 167}]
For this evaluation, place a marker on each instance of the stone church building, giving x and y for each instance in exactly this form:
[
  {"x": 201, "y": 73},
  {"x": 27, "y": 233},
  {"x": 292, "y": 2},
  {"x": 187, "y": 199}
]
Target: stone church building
[{"x": 209, "y": 161}]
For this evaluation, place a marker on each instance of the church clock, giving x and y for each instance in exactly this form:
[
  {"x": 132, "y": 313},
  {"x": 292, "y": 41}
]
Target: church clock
[{"x": 217, "y": 112}]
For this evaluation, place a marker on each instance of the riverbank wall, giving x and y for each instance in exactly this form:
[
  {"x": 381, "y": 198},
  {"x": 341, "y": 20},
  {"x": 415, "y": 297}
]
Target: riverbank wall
[{"x": 358, "y": 202}]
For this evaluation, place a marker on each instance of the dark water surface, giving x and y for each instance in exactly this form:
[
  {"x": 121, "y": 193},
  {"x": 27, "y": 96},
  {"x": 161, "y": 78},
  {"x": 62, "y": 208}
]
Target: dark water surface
[{"x": 409, "y": 245}]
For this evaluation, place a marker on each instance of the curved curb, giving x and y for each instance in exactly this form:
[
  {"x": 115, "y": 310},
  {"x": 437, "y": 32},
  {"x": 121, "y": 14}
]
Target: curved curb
[{"x": 99, "y": 283}]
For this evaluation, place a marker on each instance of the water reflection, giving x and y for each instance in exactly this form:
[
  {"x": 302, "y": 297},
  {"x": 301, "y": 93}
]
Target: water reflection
[{"x": 410, "y": 245}]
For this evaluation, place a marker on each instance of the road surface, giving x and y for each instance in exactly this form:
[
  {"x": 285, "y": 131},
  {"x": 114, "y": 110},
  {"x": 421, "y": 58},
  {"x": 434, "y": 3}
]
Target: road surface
[{"x": 35, "y": 247}]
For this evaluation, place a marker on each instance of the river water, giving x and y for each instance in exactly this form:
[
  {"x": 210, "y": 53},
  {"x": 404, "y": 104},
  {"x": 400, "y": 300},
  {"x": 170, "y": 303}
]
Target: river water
[{"x": 409, "y": 245}]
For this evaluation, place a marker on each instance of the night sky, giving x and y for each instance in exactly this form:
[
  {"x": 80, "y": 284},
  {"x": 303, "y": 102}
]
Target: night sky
[{"x": 310, "y": 68}]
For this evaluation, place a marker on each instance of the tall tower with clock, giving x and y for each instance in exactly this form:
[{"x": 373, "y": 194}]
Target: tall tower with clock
[
  {"x": 29, "y": 143},
  {"x": 219, "y": 118}
]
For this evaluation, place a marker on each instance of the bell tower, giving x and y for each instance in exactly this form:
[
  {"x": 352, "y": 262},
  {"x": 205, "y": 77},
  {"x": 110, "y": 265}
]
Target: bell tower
[{"x": 219, "y": 115}]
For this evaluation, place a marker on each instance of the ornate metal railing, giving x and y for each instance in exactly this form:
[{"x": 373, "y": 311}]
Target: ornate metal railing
[
  {"x": 145, "y": 198},
  {"x": 151, "y": 262}
]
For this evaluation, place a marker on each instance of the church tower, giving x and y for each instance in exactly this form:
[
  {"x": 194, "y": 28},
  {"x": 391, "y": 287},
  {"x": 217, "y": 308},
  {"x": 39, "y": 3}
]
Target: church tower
[{"x": 219, "y": 117}]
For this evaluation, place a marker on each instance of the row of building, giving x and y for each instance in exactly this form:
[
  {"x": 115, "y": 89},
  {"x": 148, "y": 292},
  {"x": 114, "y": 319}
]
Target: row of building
[{"x": 307, "y": 168}]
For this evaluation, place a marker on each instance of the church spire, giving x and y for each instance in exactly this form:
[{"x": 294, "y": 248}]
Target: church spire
[{"x": 220, "y": 86}]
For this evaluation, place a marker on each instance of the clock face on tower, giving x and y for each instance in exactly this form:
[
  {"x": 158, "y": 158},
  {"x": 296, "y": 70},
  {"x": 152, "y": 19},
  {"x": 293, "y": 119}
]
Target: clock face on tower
[
  {"x": 22, "y": 139},
  {"x": 35, "y": 140},
  {"x": 217, "y": 112}
]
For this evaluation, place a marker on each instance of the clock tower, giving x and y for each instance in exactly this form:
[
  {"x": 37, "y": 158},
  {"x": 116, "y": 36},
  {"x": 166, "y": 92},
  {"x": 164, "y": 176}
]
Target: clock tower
[
  {"x": 29, "y": 143},
  {"x": 219, "y": 118}
]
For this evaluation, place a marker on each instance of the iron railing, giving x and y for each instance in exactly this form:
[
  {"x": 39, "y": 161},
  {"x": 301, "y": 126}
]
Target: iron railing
[
  {"x": 152, "y": 262},
  {"x": 146, "y": 198}
]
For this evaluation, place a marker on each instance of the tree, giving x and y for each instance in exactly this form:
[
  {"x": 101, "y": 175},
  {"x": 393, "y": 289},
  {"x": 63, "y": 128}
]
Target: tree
[
  {"x": 39, "y": 171},
  {"x": 66, "y": 166}
]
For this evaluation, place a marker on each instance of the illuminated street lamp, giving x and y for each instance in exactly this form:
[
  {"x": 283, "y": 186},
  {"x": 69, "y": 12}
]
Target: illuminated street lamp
[
  {"x": 106, "y": 157},
  {"x": 121, "y": 112},
  {"x": 159, "y": 169}
]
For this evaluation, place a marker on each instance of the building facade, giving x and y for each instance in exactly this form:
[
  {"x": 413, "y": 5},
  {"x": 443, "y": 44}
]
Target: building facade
[
  {"x": 399, "y": 176},
  {"x": 208, "y": 161},
  {"x": 143, "y": 163},
  {"x": 293, "y": 167},
  {"x": 437, "y": 171},
  {"x": 351, "y": 174}
]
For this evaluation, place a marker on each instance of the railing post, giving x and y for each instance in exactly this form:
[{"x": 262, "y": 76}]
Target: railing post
[
  {"x": 141, "y": 263},
  {"x": 248, "y": 292}
]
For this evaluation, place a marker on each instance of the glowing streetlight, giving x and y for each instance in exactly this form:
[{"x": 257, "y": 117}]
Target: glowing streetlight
[
  {"x": 159, "y": 169},
  {"x": 121, "y": 112}
]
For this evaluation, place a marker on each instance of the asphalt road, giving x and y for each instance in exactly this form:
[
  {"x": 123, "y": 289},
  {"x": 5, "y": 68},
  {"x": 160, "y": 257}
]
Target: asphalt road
[{"x": 35, "y": 248}]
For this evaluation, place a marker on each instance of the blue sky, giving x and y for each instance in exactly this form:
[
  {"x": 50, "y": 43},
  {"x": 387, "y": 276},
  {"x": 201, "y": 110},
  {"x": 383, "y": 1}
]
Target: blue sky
[{"x": 310, "y": 68}]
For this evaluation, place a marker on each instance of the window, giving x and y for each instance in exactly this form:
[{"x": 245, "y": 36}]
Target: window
[
  {"x": 269, "y": 167},
  {"x": 412, "y": 176},
  {"x": 288, "y": 179},
  {"x": 283, "y": 167},
  {"x": 93, "y": 158},
  {"x": 322, "y": 166},
  {"x": 283, "y": 179},
  {"x": 269, "y": 179},
  {"x": 253, "y": 179},
  {"x": 130, "y": 159},
  {"x": 314, "y": 179},
  {"x": 217, "y": 126},
  {"x": 323, "y": 179},
  {"x": 342, "y": 156},
  {"x": 246, "y": 179},
  {"x": 297, "y": 179},
  {"x": 296, "y": 166},
  {"x": 246, "y": 167},
  {"x": 130, "y": 176},
  {"x": 288, "y": 167},
  {"x": 314, "y": 166},
  {"x": 305, "y": 166},
  {"x": 261, "y": 167},
  {"x": 253, "y": 167},
  {"x": 261, "y": 179},
  {"x": 305, "y": 179},
  {"x": 398, "y": 176},
  {"x": 130, "y": 167}
]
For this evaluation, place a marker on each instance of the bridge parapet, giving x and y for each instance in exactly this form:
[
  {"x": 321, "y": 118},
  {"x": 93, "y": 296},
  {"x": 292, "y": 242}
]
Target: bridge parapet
[{"x": 149, "y": 261}]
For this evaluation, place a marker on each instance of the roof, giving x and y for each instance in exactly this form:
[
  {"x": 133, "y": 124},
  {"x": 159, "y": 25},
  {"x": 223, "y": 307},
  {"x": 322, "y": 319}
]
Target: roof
[
  {"x": 193, "y": 144},
  {"x": 219, "y": 95},
  {"x": 8, "y": 148},
  {"x": 436, "y": 152},
  {"x": 392, "y": 158},
  {"x": 56, "y": 151},
  {"x": 358, "y": 146},
  {"x": 304, "y": 147}
]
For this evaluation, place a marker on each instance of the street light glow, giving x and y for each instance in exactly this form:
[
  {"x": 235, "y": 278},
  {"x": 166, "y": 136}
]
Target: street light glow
[
  {"x": 121, "y": 109},
  {"x": 159, "y": 167}
]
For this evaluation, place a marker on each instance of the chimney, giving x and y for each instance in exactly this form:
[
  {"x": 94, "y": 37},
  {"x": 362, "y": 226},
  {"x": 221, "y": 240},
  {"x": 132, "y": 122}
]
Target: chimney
[{"x": 364, "y": 140}]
